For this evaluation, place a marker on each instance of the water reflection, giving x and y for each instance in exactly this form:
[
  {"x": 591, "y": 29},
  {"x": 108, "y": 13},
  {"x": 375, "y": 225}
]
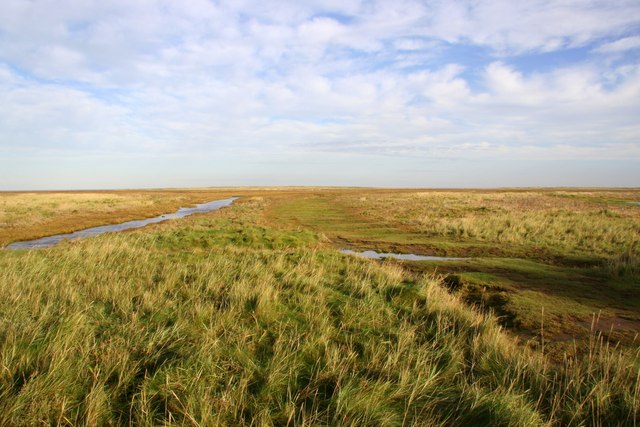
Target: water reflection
[
  {"x": 405, "y": 257},
  {"x": 49, "y": 241}
]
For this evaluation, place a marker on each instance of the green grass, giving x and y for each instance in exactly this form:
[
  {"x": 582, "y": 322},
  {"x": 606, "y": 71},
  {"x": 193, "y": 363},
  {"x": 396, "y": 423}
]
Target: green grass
[
  {"x": 227, "y": 319},
  {"x": 574, "y": 255},
  {"x": 539, "y": 224},
  {"x": 329, "y": 215}
]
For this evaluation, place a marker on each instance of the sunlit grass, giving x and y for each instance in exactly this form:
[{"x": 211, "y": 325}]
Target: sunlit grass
[
  {"x": 226, "y": 320},
  {"x": 588, "y": 223},
  {"x": 25, "y": 216}
]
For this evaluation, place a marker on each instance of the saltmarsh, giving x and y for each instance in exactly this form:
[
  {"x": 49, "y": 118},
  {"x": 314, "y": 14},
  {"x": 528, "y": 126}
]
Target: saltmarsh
[
  {"x": 547, "y": 261},
  {"x": 531, "y": 223},
  {"x": 232, "y": 319},
  {"x": 26, "y": 216}
]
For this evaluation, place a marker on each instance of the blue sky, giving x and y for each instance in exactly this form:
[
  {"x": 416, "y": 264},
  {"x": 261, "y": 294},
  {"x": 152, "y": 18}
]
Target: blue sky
[{"x": 146, "y": 93}]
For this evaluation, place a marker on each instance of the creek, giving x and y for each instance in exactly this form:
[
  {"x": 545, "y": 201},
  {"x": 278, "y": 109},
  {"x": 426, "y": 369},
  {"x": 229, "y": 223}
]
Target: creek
[{"x": 46, "y": 242}]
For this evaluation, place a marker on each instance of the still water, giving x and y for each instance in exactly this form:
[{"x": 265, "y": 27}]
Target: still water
[
  {"x": 405, "y": 257},
  {"x": 49, "y": 241}
]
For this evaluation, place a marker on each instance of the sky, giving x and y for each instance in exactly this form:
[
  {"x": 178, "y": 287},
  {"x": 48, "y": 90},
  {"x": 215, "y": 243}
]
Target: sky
[{"x": 164, "y": 93}]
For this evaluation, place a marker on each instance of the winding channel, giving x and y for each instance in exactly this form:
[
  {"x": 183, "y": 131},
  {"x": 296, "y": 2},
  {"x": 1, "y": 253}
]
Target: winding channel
[{"x": 46, "y": 242}]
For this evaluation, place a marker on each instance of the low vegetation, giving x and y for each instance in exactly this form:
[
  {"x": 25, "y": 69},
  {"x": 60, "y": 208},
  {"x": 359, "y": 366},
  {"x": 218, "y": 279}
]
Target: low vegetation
[
  {"x": 556, "y": 258},
  {"x": 250, "y": 316},
  {"x": 530, "y": 223},
  {"x": 25, "y": 216}
]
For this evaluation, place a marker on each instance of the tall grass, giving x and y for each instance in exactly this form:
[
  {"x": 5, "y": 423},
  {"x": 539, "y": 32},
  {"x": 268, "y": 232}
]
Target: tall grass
[
  {"x": 552, "y": 221},
  {"x": 626, "y": 264},
  {"x": 220, "y": 320}
]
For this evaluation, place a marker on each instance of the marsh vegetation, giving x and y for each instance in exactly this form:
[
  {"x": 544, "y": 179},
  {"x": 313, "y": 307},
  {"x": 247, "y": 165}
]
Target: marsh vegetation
[
  {"x": 555, "y": 257},
  {"x": 251, "y": 316}
]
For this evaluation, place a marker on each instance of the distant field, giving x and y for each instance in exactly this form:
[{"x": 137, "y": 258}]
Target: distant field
[
  {"x": 29, "y": 215},
  {"x": 250, "y": 315},
  {"x": 25, "y": 216}
]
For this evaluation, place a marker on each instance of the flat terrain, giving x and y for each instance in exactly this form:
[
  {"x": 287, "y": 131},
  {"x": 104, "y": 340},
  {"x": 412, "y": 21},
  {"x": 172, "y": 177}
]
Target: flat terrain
[
  {"x": 564, "y": 260},
  {"x": 26, "y": 216},
  {"x": 251, "y": 316}
]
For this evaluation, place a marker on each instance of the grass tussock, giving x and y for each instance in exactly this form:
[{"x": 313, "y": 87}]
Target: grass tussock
[
  {"x": 624, "y": 265},
  {"x": 221, "y": 320}
]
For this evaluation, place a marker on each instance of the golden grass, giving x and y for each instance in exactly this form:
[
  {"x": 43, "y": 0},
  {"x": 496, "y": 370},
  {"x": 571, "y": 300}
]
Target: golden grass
[
  {"x": 572, "y": 253},
  {"x": 224, "y": 319},
  {"x": 25, "y": 216},
  {"x": 30, "y": 215},
  {"x": 559, "y": 222}
]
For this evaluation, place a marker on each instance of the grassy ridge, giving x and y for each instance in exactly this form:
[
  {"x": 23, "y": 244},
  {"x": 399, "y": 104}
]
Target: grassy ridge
[{"x": 226, "y": 319}]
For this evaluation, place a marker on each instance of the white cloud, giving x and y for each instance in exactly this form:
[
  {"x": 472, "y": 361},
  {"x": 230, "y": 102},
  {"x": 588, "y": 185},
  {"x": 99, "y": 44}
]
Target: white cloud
[
  {"x": 620, "y": 45},
  {"x": 412, "y": 44},
  {"x": 408, "y": 78},
  {"x": 542, "y": 25}
]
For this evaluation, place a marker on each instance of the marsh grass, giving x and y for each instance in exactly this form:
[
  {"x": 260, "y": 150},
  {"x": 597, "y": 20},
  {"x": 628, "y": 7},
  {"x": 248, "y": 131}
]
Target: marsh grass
[
  {"x": 560, "y": 223},
  {"x": 571, "y": 252},
  {"x": 626, "y": 264},
  {"x": 223, "y": 320},
  {"x": 25, "y": 216}
]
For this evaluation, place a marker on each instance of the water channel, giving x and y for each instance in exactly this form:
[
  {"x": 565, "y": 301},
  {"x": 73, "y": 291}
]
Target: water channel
[
  {"x": 404, "y": 257},
  {"x": 49, "y": 241}
]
